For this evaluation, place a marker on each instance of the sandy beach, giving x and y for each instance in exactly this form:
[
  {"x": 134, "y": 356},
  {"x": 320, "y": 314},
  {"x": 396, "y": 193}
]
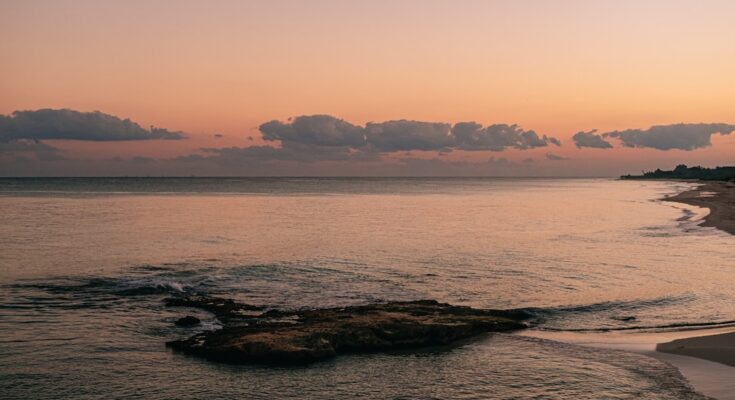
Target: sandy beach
[
  {"x": 718, "y": 197},
  {"x": 719, "y": 348},
  {"x": 706, "y": 357},
  {"x": 712, "y": 378}
]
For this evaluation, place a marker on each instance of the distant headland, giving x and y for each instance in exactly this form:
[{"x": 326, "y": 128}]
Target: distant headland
[{"x": 683, "y": 172}]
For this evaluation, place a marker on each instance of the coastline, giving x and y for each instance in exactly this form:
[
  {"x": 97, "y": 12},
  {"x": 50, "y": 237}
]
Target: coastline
[
  {"x": 718, "y": 348},
  {"x": 705, "y": 356},
  {"x": 712, "y": 379},
  {"x": 718, "y": 197},
  {"x": 702, "y": 356}
]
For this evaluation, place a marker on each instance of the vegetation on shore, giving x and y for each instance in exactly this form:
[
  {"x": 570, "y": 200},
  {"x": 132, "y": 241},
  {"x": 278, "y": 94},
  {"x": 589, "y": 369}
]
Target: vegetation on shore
[{"x": 683, "y": 172}]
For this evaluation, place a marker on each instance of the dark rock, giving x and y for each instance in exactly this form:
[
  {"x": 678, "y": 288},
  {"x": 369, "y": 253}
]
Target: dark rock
[
  {"x": 300, "y": 337},
  {"x": 223, "y": 309},
  {"x": 188, "y": 321}
]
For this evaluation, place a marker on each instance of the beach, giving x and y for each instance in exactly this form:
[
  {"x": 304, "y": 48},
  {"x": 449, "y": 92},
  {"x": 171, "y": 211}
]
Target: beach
[
  {"x": 705, "y": 356},
  {"x": 711, "y": 377},
  {"x": 718, "y": 348},
  {"x": 718, "y": 197}
]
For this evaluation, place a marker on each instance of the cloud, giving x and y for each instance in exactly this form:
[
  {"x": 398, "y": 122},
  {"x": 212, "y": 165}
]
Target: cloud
[
  {"x": 590, "y": 139},
  {"x": 24, "y": 148},
  {"x": 668, "y": 137},
  {"x": 320, "y": 130},
  {"x": 412, "y": 166},
  {"x": 218, "y": 136},
  {"x": 68, "y": 124},
  {"x": 289, "y": 152},
  {"x": 555, "y": 157},
  {"x": 402, "y": 135},
  {"x": 472, "y": 136},
  {"x": 314, "y": 138}
]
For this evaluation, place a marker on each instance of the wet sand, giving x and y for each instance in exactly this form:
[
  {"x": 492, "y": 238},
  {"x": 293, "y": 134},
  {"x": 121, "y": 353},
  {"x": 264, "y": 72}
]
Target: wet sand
[
  {"x": 705, "y": 357},
  {"x": 718, "y": 197},
  {"x": 718, "y": 348},
  {"x": 713, "y": 379}
]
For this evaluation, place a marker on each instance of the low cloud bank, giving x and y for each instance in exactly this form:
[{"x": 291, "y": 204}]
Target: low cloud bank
[
  {"x": 402, "y": 135},
  {"x": 669, "y": 137},
  {"x": 22, "y": 133},
  {"x": 46, "y": 124},
  {"x": 686, "y": 137},
  {"x": 590, "y": 139}
]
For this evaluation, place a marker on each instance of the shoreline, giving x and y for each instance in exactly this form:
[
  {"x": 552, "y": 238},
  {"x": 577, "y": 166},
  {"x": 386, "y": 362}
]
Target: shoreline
[
  {"x": 718, "y": 197},
  {"x": 704, "y": 356},
  {"x": 718, "y": 348},
  {"x": 712, "y": 379}
]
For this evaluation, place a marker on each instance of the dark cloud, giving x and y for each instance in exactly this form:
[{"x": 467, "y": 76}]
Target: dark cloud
[
  {"x": 317, "y": 138},
  {"x": 74, "y": 125},
  {"x": 29, "y": 149},
  {"x": 590, "y": 139},
  {"x": 218, "y": 136},
  {"x": 298, "y": 152},
  {"x": 669, "y": 137},
  {"x": 319, "y": 130},
  {"x": 402, "y": 135},
  {"x": 412, "y": 166},
  {"x": 145, "y": 160},
  {"x": 472, "y": 136},
  {"x": 314, "y": 138},
  {"x": 555, "y": 157}
]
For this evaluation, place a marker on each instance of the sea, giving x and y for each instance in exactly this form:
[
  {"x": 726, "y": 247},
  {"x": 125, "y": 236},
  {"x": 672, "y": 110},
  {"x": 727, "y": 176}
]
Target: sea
[{"x": 85, "y": 264}]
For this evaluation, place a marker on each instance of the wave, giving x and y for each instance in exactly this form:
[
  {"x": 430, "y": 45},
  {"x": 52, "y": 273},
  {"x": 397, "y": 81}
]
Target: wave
[
  {"x": 86, "y": 293},
  {"x": 613, "y": 316},
  {"x": 120, "y": 286},
  {"x": 315, "y": 287},
  {"x": 674, "y": 326}
]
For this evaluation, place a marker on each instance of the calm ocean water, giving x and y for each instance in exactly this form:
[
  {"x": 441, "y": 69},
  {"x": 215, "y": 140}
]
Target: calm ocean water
[{"x": 85, "y": 264}]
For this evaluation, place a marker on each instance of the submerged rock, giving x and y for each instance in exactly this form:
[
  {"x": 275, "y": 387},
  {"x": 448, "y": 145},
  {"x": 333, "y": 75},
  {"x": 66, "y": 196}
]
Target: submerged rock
[
  {"x": 187, "y": 321},
  {"x": 300, "y": 337},
  {"x": 224, "y": 309}
]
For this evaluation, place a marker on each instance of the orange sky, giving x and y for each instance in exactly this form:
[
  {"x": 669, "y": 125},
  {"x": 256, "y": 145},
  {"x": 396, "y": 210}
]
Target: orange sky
[{"x": 557, "y": 67}]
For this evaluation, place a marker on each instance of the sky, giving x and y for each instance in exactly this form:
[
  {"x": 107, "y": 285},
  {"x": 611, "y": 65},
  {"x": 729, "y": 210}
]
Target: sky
[{"x": 440, "y": 88}]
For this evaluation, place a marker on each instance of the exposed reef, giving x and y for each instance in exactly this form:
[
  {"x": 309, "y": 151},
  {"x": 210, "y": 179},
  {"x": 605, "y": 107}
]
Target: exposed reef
[
  {"x": 223, "y": 309},
  {"x": 188, "y": 321},
  {"x": 305, "y": 336}
]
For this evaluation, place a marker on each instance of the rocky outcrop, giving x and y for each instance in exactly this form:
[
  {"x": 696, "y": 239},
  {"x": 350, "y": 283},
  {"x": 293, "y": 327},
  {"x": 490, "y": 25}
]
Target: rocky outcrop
[
  {"x": 189, "y": 320},
  {"x": 300, "y": 337},
  {"x": 223, "y": 309}
]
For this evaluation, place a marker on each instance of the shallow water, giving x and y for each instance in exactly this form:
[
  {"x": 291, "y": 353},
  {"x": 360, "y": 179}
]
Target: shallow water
[{"x": 85, "y": 264}]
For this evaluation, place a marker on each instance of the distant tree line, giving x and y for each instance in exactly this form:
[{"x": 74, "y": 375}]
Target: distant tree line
[{"x": 683, "y": 172}]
